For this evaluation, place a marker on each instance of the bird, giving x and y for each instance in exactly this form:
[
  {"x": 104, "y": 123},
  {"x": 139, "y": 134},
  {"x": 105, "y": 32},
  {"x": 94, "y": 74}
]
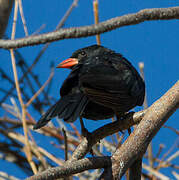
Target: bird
[{"x": 102, "y": 84}]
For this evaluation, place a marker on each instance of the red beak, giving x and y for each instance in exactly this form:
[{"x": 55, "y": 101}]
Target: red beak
[{"x": 68, "y": 63}]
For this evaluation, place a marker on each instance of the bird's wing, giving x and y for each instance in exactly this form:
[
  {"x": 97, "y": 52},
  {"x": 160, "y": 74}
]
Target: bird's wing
[
  {"x": 106, "y": 78},
  {"x": 112, "y": 85}
]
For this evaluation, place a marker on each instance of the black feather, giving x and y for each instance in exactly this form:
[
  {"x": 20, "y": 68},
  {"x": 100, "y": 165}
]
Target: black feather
[{"x": 102, "y": 84}]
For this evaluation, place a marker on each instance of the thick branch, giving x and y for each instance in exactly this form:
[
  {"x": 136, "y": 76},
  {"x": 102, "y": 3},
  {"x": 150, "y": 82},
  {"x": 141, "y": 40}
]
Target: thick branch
[
  {"x": 85, "y": 31},
  {"x": 73, "y": 168},
  {"x": 138, "y": 141}
]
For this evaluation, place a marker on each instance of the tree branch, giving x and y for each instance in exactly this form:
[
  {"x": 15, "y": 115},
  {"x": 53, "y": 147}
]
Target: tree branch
[
  {"x": 73, "y": 168},
  {"x": 153, "y": 120},
  {"x": 85, "y": 31},
  {"x": 85, "y": 146},
  {"x": 134, "y": 147}
]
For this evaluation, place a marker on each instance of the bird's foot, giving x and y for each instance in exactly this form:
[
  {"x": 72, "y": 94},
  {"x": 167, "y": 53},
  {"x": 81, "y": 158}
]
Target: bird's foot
[
  {"x": 86, "y": 134},
  {"x": 126, "y": 115}
]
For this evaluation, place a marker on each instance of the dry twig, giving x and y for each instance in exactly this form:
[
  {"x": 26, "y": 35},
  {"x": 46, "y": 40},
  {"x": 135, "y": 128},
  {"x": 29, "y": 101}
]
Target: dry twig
[
  {"x": 96, "y": 18},
  {"x": 28, "y": 151}
]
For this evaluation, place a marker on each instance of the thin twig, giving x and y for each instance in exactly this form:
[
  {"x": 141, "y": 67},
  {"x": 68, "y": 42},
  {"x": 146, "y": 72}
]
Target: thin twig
[
  {"x": 166, "y": 154},
  {"x": 22, "y": 63},
  {"x": 155, "y": 172},
  {"x": 21, "y": 139},
  {"x": 176, "y": 175},
  {"x": 96, "y": 18},
  {"x": 50, "y": 156},
  {"x": 5, "y": 76},
  {"x": 39, "y": 29},
  {"x": 172, "y": 157},
  {"x": 40, "y": 90},
  {"x": 173, "y": 129},
  {"x": 68, "y": 12},
  {"x": 4, "y": 175},
  {"x": 14, "y": 20},
  {"x": 66, "y": 144},
  {"x": 76, "y": 131},
  {"x": 28, "y": 152},
  {"x": 22, "y": 17},
  {"x": 27, "y": 145},
  {"x": 161, "y": 146}
]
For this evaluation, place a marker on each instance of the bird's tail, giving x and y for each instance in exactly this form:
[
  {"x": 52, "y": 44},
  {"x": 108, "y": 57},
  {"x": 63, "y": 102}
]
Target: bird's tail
[{"x": 69, "y": 108}]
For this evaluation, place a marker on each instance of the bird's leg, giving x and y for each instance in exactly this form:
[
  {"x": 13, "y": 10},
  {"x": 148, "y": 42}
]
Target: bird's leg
[
  {"x": 84, "y": 131},
  {"x": 121, "y": 117},
  {"x": 129, "y": 131},
  {"x": 125, "y": 116}
]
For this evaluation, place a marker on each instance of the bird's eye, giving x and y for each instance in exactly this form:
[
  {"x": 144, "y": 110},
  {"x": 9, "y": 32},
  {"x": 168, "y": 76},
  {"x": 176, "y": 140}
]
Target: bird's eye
[{"x": 82, "y": 54}]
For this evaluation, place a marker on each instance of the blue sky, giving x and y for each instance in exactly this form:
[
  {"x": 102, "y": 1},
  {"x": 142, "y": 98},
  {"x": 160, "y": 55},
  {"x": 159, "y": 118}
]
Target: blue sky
[{"x": 155, "y": 43}]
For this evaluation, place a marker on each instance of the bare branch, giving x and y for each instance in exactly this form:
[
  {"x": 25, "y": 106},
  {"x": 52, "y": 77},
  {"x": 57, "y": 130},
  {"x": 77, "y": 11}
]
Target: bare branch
[
  {"x": 153, "y": 120},
  {"x": 85, "y": 31},
  {"x": 106, "y": 130},
  {"x": 133, "y": 147},
  {"x": 4, "y": 175},
  {"x": 73, "y": 168},
  {"x": 96, "y": 19},
  {"x": 155, "y": 172}
]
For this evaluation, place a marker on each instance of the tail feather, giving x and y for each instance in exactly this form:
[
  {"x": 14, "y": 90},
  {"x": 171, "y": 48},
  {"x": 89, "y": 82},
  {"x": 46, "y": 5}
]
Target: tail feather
[
  {"x": 46, "y": 117},
  {"x": 61, "y": 107},
  {"x": 76, "y": 111},
  {"x": 72, "y": 103},
  {"x": 68, "y": 108}
]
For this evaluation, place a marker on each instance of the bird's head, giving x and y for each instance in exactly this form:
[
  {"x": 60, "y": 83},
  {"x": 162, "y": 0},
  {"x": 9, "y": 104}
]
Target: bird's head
[{"x": 79, "y": 56}]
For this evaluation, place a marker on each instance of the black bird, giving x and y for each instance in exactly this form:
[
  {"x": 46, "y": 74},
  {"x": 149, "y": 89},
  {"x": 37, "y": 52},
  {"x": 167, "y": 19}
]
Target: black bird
[{"x": 101, "y": 84}]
